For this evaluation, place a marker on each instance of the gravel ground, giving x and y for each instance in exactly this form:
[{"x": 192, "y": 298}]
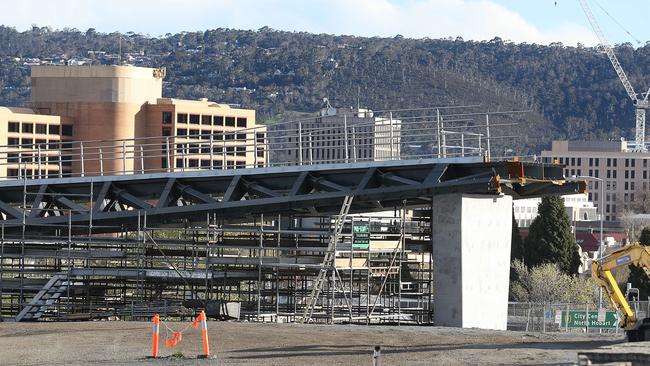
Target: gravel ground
[{"x": 126, "y": 343}]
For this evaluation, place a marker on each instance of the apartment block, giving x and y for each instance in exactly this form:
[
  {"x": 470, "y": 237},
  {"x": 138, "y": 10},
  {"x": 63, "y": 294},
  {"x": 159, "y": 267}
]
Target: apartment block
[{"x": 624, "y": 173}]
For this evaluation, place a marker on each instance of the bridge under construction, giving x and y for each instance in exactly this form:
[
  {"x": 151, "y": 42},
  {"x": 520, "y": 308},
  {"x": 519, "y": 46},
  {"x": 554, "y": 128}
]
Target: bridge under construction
[
  {"x": 310, "y": 241},
  {"x": 129, "y": 246}
]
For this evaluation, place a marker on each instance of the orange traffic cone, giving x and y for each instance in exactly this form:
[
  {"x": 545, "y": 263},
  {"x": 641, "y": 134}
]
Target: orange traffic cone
[
  {"x": 206, "y": 345},
  {"x": 156, "y": 328}
]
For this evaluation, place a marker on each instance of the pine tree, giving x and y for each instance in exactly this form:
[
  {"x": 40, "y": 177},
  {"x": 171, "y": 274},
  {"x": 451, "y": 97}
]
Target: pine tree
[
  {"x": 550, "y": 239},
  {"x": 517, "y": 245},
  {"x": 637, "y": 276}
]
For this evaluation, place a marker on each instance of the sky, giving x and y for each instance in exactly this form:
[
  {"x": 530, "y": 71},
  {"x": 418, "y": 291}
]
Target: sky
[{"x": 531, "y": 21}]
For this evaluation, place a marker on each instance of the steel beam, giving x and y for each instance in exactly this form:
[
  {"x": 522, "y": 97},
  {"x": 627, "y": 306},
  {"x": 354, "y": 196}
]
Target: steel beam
[{"x": 236, "y": 194}]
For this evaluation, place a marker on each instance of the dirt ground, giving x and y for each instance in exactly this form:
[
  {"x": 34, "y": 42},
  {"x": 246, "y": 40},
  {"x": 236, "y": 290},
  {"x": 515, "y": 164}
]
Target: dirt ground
[{"x": 126, "y": 343}]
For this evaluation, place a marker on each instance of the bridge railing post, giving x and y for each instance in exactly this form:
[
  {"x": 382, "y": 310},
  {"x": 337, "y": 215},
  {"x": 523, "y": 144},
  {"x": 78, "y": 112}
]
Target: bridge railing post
[
  {"x": 167, "y": 155},
  {"x": 300, "y": 142},
  {"x": 101, "y": 162},
  {"x": 81, "y": 150}
]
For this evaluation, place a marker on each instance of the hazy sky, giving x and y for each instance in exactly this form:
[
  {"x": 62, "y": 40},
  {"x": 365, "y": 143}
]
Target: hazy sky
[{"x": 533, "y": 21}]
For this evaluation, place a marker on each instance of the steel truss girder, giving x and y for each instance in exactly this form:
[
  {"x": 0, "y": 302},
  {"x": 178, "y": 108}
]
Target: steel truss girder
[{"x": 117, "y": 203}]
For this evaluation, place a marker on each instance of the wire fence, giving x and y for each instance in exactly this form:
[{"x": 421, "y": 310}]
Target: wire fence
[
  {"x": 569, "y": 318},
  {"x": 342, "y": 138}
]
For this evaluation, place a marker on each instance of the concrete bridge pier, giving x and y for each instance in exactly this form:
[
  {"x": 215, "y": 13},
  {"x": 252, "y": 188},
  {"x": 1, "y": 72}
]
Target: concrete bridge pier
[{"x": 471, "y": 260}]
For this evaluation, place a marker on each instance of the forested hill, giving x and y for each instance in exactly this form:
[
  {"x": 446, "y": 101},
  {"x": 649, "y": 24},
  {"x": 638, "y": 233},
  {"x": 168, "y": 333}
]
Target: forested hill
[{"x": 573, "y": 92}]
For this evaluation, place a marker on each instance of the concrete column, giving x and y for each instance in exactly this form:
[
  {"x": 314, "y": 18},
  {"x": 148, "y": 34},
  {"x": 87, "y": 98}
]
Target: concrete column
[{"x": 471, "y": 260}]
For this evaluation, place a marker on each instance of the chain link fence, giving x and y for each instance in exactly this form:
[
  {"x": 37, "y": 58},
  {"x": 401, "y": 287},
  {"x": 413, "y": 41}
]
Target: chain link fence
[{"x": 569, "y": 318}]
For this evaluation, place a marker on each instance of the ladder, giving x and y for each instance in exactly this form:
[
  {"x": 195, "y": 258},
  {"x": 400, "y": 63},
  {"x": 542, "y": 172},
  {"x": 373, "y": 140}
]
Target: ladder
[
  {"x": 328, "y": 261},
  {"x": 39, "y": 304}
]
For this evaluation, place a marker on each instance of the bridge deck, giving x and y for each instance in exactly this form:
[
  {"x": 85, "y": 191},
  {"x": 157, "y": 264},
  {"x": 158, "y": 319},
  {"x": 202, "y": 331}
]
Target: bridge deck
[{"x": 117, "y": 203}]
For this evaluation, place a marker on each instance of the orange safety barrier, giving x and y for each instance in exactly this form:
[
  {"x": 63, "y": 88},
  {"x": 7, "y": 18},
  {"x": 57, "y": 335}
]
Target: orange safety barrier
[
  {"x": 156, "y": 329},
  {"x": 177, "y": 336}
]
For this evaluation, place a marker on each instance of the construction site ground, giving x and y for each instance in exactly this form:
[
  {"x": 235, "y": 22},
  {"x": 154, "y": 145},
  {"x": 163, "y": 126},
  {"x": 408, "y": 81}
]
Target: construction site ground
[{"x": 236, "y": 343}]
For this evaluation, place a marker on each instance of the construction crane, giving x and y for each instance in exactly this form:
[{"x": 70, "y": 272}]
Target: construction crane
[
  {"x": 637, "y": 330},
  {"x": 640, "y": 104}
]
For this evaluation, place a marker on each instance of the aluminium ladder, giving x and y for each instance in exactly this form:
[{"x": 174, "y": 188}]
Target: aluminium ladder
[{"x": 328, "y": 261}]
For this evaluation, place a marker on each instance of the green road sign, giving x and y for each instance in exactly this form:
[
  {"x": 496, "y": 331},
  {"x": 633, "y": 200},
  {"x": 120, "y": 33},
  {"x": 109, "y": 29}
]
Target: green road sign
[
  {"x": 577, "y": 320},
  {"x": 360, "y": 236}
]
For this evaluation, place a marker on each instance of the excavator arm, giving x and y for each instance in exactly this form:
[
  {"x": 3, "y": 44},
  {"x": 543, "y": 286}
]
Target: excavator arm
[{"x": 601, "y": 270}]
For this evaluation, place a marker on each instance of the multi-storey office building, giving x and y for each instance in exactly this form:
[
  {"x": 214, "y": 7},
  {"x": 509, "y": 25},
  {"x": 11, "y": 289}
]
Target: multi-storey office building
[
  {"x": 126, "y": 125},
  {"x": 27, "y": 135},
  {"x": 365, "y": 137},
  {"x": 625, "y": 173}
]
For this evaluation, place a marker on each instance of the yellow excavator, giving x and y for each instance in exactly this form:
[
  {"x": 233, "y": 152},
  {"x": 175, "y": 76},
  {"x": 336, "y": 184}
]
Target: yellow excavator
[{"x": 637, "y": 330}]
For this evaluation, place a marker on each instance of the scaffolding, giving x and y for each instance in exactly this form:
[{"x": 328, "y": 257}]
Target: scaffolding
[{"x": 260, "y": 270}]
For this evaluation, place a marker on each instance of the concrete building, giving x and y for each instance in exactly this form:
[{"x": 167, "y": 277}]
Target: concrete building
[
  {"x": 625, "y": 173},
  {"x": 367, "y": 138},
  {"x": 26, "y": 135},
  {"x": 103, "y": 105},
  {"x": 578, "y": 208}
]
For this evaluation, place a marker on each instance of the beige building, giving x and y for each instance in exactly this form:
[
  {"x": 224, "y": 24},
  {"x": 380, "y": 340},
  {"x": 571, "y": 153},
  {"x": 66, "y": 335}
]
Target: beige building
[
  {"x": 26, "y": 137},
  {"x": 125, "y": 124},
  {"x": 625, "y": 173}
]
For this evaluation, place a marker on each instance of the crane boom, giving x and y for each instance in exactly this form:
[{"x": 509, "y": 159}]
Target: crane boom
[
  {"x": 609, "y": 51},
  {"x": 640, "y": 104}
]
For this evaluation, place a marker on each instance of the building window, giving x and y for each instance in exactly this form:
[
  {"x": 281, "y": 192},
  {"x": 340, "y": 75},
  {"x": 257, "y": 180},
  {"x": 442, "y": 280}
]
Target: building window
[
  {"x": 41, "y": 128},
  {"x": 597, "y": 162},
  {"x": 596, "y": 173},
  {"x": 632, "y": 173},
  {"x": 205, "y": 163},
  {"x": 241, "y": 122},
  {"x": 573, "y": 161},
  {"x": 615, "y": 161},
  {"x": 627, "y": 186},
  {"x": 27, "y": 142},
  {"x": 627, "y": 174},
  {"x": 609, "y": 174},
  {"x": 591, "y": 161},
  {"x": 194, "y": 133},
  {"x": 54, "y": 129},
  {"x": 609, "y": 162},
  {"x": 28, "y": 128},
  {"x": 645, "y": 174},
  {"x": 181, "y": 118},
  {"x": 13, "y": 127},
  {"x": 633, "y": 163},
  {"x": 179, "y": 163},
  {"x": 206, "y": 120},
  {"x": 614, "y": 174},
  {"x": 230, "y": 121},
  {"x": 193, "y": 163},
  {"x": 241, "y": 137},
  {"x": 217, "y": 120},
  {"x": 631, "y": 186},
  {"x": 166, "y": 117},
  {"x": 66, "y": 130},
  {"x": 194, "y": 119},
  {"x": 579, "y": 161},
  {"x": 627, "y": 163},
  {"x": 181, "y": 131},
  {"x": 166, "y": 131}
]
